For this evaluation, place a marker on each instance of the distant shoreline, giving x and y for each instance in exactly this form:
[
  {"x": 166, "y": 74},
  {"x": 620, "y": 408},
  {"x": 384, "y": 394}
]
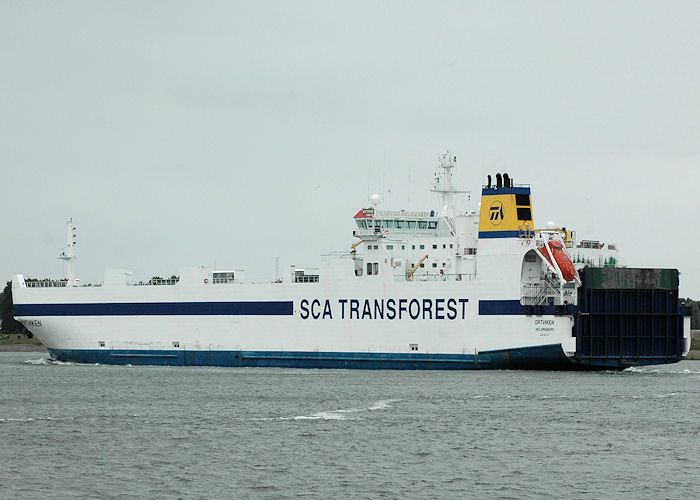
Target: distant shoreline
[{"x": 23, "y": 348}]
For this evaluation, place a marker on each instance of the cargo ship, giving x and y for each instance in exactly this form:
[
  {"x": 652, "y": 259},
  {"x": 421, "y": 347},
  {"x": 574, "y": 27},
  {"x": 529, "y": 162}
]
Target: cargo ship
[{"x": 434, "y": 289}]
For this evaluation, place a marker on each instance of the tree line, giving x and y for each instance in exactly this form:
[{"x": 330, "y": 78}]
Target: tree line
[
  {"x": 7, "y": 312},
  {"x": 694, "y": 312}
]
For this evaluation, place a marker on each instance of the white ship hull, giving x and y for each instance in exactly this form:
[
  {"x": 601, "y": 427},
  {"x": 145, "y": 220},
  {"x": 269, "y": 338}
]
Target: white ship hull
[{"x": 385, "y": 320}]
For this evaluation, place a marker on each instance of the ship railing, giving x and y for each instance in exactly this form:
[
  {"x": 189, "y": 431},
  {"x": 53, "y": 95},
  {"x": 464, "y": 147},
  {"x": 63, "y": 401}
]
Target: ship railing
[
  {"x": 46, "y": 283},
  {"x": 537, "y": 293},
  {"x": 438, "y": 277}
]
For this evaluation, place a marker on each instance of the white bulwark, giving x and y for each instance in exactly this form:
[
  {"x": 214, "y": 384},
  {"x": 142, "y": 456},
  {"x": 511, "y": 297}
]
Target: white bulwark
[{"x": 416, "y": 289}]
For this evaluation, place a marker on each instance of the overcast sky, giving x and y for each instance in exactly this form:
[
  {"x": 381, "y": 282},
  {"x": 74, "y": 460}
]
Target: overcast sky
[{"x": 230, "y": 133}]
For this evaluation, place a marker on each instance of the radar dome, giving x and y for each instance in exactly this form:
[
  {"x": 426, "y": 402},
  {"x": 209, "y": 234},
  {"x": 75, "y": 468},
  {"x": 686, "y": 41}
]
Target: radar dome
[
  {"x": 375, "y": 199},
  {"x": 551, "y": 225}
]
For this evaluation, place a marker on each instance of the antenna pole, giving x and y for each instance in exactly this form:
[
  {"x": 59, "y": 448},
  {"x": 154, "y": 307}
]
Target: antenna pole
[{"x": 67, "y": 253}]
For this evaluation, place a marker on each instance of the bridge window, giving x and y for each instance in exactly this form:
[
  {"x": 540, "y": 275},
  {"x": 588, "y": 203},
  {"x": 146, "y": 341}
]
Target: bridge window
[
  {"x": 434, "y": 247},
  {"x": 390, "y": 247},
  {"x": 400, "y": 224},
  {"x": 432, "y": 224},
  {"x": 422, "y": 224},
  {"x": 422, "y": 247},
  {"x": 434, "y": 264},
  {"x": 411, "y": 224}
]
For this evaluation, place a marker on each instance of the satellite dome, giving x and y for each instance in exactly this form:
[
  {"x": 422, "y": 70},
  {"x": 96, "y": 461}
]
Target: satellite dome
[
  {"x": 375, "y": 199},
  {"x": 551, "y": 225}
]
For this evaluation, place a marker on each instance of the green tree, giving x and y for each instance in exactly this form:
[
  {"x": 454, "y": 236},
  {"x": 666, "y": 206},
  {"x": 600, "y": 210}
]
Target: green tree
[{"x": 7, "y": 311}]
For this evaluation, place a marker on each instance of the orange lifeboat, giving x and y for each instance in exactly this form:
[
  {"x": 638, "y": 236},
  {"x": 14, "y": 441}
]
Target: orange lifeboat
[{"x": 562, "y": 259}]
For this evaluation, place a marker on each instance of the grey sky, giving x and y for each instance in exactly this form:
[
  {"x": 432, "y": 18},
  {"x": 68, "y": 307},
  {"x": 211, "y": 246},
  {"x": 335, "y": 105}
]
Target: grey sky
[{"x": 229, "y": 133}]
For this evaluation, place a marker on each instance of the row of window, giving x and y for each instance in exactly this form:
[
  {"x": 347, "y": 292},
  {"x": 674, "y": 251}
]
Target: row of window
[
  {"x": 403, "y": 247},
  {"x": 435, "y": 264},
  {"x": 397, "y": 224},
  {"x": 422, "y": 247},
  {"x": 306, "y": 278}
]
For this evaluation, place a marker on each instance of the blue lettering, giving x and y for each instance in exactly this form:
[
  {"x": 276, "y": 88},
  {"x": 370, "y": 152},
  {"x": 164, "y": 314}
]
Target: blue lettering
[
  {"x": 304, "y": 309},
  {"x": 355, "y": 308},
  {"x": 367, "y": 310},
  {"x": 314, "y": 304},
  {"x": 378, "y": 309},
  {"x": 402, "y": 306},
  {"x": 464, "y": 307},
  {"x": 428, "y": 308},
  {"x": 390, "y": 309},
  {"x": 452, "y": 310},
  {"x": 439, "y": 308},
  {"x": 410, "y": 308},
  {"x": 327, "y": 310}
]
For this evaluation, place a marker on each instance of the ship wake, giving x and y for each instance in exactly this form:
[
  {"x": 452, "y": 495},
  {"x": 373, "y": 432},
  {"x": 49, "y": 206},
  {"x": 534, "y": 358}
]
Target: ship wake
[{"x": 344, "y": 414}]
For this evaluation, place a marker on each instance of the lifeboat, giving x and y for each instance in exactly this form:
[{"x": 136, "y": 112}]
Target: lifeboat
[{"x": 566, "y": 266}]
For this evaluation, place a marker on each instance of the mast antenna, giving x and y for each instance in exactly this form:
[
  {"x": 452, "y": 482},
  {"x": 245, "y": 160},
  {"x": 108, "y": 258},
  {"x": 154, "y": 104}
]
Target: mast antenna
[{"x": 67, "y": 253}]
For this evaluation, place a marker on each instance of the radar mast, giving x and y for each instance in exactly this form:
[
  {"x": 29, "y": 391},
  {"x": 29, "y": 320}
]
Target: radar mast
[{"x": 443, "y": 184}]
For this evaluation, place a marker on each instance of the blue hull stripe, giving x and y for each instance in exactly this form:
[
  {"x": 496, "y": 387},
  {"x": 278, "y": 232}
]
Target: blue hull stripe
[
  {"x": 546, "y": 357},
  {"x": 500, "y": 307},
  {"x": 540, "y": 357},
  {"x": 514, "y": 307},
  {"x": 282, "y": 308}
]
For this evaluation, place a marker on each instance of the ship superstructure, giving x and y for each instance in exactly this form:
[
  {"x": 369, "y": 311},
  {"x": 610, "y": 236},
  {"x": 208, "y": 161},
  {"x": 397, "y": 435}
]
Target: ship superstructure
[{"x": 433, "y": 289}]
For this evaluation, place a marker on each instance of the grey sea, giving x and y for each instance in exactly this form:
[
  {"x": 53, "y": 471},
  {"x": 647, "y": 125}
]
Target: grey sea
[{"x": 107, "y": 431}]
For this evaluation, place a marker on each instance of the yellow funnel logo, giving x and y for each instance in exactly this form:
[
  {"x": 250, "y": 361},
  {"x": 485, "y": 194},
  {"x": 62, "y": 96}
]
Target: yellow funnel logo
[{"x": 496, "y": 213}]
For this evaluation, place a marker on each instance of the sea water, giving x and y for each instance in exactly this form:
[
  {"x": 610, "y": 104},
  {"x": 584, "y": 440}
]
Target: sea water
[{"x": 122, "y": 431}]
